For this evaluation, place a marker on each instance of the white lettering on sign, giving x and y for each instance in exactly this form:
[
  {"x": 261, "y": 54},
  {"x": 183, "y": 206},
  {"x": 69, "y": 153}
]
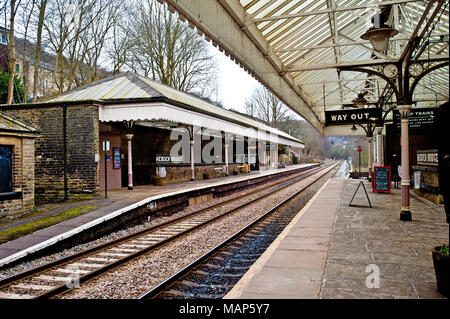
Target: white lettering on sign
[
  {"x": 427, "y": 157},
  {"x": 361, "y": 116},
  {"x": 353, "y": 117},
  {"x": 168, "y": 158}
]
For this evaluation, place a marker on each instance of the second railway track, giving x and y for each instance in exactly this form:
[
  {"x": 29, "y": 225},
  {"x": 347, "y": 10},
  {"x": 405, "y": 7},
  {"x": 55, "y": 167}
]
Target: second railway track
[
  {"x": 57, "y": 277},
  {"x": 214, "y": 273}
]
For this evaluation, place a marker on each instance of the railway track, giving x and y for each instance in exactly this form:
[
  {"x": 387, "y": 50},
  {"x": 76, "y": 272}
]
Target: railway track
[
  {"x": 217, "y": 271},
  {"x": 57, "y": 277}
]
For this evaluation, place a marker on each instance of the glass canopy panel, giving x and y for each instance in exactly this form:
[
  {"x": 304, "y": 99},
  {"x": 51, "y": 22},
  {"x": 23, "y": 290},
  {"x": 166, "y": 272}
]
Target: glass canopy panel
[{"x": 312, "y": 38}]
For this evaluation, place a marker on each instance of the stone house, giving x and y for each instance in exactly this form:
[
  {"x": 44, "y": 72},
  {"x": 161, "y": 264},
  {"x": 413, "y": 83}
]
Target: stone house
[
  {"x": 25, "y": 65},
  {"x": 17, "y": 161}
]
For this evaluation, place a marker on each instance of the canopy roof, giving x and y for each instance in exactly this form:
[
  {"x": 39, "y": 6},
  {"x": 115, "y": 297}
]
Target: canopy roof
[
  {"x": 144, "y": 100},
  {"x": 300, "y": 49}
]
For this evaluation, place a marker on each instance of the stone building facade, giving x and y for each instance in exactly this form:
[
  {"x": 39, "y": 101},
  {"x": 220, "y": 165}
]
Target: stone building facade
[
  {"x": 17, "y": 142},
  {"x": 65, "y": 151}
]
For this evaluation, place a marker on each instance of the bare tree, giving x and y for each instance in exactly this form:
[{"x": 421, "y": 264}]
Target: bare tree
[
  {"x": 61, "y": 17},
  {"x": 27, "y": 12},
  {"x": 77, "y": 30},
  {"x": 119, "y": 47},
  {"x": 37, "y": 57},
  {"x": 11, "y": 51},
  {"x": 103, "y": 17},
  {"x": 266, "y": 107},
  {"x": 64, "y": 22},
  {"x": 168, "y": 50}
]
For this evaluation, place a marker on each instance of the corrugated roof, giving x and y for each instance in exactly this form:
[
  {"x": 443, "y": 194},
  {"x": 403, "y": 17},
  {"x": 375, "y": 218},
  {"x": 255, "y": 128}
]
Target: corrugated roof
[{"x": 132, "y": 86}]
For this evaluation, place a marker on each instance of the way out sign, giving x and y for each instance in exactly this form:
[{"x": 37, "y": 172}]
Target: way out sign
[{"x": 357, "y": 116}]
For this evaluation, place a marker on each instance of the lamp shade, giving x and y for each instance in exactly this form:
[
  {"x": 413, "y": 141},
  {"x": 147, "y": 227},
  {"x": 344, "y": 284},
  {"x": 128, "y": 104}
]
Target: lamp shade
[
  {"x": 360, "y": 101},
  {"x": 379, "y": 37}
]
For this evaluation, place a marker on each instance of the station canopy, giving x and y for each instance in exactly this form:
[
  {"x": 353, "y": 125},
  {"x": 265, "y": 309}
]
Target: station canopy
[
  {"x": 130, "y": 97},
  {"x": 301, "y": 49}
]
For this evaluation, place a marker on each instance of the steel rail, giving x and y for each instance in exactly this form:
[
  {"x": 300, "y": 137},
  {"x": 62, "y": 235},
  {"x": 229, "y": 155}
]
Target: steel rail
[
  {"x": 85, "y": 254},
  {"x": 167, "y": 283}
]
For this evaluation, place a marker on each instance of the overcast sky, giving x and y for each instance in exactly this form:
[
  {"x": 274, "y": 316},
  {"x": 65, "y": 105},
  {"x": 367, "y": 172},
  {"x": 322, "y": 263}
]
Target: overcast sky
[{"x": 234, "y": 84}]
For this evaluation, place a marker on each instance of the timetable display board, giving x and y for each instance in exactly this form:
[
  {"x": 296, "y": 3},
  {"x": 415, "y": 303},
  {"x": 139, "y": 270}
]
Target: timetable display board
[{"x": 382, "y": 179}]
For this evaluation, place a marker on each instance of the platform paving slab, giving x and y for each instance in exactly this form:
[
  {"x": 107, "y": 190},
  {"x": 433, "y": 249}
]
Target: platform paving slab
[{"x": 356, "y": 238}]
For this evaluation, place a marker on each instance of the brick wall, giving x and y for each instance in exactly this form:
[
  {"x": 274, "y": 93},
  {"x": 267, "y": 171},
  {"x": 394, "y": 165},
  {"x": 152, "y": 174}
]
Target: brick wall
[
  {"x": 22, "y": 176},
  {"x": 82, "y": 145}
]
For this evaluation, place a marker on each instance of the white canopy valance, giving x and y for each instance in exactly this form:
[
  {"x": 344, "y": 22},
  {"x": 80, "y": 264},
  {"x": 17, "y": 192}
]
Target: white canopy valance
[{"x": 168, "y": 112}]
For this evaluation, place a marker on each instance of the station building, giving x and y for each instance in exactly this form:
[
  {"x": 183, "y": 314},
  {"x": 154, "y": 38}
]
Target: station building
[
  {"x": 17, "y": 140},
  {"x": 152, "y": 133}
]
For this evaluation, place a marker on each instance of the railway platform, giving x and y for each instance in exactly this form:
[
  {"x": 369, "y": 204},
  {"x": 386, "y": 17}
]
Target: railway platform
[
  {"x": 122, "y": 205},
  {"x": 331, "y": 250}
]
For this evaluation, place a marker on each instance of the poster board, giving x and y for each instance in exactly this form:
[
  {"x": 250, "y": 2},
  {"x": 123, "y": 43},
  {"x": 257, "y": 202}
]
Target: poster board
[
  {"x": 382, "y": 179},
  {"x": 116, "y": 157}
]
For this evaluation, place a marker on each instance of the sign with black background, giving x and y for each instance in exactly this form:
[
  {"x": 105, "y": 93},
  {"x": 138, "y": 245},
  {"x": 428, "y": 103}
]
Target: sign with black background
[
  {"x": 427, "y": 157},
  {"x": 355, "y": 116},
  {"x": 421, "y": 118},
  {"x": 382, "y": 179}
]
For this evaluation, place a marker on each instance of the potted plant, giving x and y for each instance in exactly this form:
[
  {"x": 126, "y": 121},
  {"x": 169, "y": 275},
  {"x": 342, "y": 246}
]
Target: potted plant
[{"x": 442, "y": 268}]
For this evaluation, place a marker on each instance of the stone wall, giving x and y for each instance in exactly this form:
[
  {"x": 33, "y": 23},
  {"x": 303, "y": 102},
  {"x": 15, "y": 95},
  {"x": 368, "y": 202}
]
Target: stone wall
[
  {"x": 22, "y": 176},
  {"x": 82, "y": 129},
  {"x": 183, "y": 173}
]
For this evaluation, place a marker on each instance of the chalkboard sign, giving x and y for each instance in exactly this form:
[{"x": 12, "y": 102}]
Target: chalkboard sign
[{"x": 382, "y": 179}]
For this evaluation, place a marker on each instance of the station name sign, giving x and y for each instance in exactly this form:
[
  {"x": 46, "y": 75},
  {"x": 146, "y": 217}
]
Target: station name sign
[
  {"x": 427, "y": 157},
  {"x": 357, "y": 116},
  {"x": 169, "y": 159}
]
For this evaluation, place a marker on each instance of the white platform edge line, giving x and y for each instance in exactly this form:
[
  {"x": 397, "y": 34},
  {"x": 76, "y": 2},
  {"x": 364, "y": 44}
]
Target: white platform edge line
[
  {"x": 119, "y": 212},
  {"x": 238, "y": 289}
]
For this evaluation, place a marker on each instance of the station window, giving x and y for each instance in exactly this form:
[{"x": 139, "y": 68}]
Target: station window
[
  {"x": 17, "y": 67},
  {"x": 3, "y": 38},
  {"x": 5, "y": 169}
]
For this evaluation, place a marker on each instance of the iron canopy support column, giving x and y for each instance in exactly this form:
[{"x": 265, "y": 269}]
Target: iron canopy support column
[
  {"x": 130, "y": 162},
  {"x": 405, "y": 213},
  {"x": 370, "y": 159},
  {"x": 380, "y": 160}
]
